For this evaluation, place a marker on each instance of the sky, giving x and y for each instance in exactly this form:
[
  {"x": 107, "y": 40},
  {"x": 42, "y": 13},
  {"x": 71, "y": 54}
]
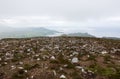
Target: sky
[{"x": 97, "y": 17}]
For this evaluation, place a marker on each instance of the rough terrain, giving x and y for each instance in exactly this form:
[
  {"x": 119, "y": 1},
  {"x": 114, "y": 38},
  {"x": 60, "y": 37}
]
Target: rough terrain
[{"x": 59, "y": 58}]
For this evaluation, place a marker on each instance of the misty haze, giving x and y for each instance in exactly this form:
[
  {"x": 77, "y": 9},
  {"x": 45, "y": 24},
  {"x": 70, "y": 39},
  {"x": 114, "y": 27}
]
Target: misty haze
[{"x": 59, "y": 39}]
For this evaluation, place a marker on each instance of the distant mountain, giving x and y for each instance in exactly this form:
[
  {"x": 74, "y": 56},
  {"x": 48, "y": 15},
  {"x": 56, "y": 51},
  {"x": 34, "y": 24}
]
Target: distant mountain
[
  {"x": 8, "y": 32},
  {"x": 115, "y": 38},
  {"x": 80, "y": 34}
]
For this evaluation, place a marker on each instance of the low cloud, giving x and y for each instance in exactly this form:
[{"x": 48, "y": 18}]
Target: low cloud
[{"x": 92, "y": 16}]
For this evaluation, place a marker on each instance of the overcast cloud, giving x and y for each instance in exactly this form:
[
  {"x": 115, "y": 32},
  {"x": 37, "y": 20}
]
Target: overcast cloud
[{"x": 97, "y": 17}]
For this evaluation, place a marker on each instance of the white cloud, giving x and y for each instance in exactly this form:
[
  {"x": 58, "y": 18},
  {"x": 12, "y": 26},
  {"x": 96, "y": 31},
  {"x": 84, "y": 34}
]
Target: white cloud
[
  {"x": 54, "y": 21},
  {"x": 23, "y": 21},
  {"x": 114, "y": 19},
  {"x": 64, "y": 15}
]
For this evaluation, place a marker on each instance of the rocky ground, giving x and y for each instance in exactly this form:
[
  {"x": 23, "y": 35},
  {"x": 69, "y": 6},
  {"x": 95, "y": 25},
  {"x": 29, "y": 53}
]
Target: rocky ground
[{"x": 59, "y": 58}]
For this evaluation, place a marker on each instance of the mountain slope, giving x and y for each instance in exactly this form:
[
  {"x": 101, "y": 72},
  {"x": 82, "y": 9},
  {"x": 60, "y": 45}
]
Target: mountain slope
[
  {"x": 26, "y": 32},
  {"x": 80, "y": 35}
]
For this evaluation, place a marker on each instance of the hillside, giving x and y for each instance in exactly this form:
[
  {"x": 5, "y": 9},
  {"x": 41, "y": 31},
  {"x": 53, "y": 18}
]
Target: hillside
[
  {"x": 59, "y": 58},
  {"x": 79, "y": 35},
  {"x": 115, "y": 38},
  {"x": 25, "y": 32}
]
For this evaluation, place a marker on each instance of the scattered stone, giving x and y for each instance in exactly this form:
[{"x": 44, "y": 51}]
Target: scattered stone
[
  {"x": 83, "y": 70},
  {"x": 62, "y": 77},
  {"x": 54, "y": 72},
  {"x": 28, "y": 53},
  {"x": 36, "y": 55},
  {"x": 104, "y": 52},
  {"x": 5, "y": 63},
  {"x": 28, "y": 50},
  {"x": 65, "y": 65},
  {"x": 13, "y": 67},
  {"x": 75, "y": 53},
  {"x": 75, "y": 60},
  {"x": 52, "y": 58},
  {"x": 61, "y": 68},
  {"x": 88, "y": 56},
  {"x": 25, "y": 71},
  {"x": 32, "y": 77},
  {"x": 21, "y": 63},
  {"x": 20, "y": 68},
  {"x": 38, "y": 59},
  {"x": 78, "y": 67}
]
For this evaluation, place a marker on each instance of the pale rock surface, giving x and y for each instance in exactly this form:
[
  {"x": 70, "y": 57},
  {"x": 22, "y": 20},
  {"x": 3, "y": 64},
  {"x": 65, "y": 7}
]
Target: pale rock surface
[
  {"x": 62, "y": 77},
  {"x": 75, "y": 60}
]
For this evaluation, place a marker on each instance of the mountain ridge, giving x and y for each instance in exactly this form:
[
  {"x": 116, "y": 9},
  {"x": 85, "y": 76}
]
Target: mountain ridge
[
  {"x": 79, "y": 34},
  {"x": 26, "y": 32}
]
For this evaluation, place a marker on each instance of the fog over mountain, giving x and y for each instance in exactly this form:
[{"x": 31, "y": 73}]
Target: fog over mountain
[
  {"x": 97, "y": 17},
  {"x": 8, "y": 32},
  {"x": 25, "y": 32}
]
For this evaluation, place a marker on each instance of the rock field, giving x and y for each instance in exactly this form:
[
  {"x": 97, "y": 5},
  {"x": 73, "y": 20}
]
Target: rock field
[{"x": 59, "y": 58}]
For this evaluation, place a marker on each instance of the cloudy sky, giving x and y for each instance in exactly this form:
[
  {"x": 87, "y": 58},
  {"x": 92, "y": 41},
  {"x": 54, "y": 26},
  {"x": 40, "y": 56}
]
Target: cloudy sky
[{"x": 97, "y": 17}]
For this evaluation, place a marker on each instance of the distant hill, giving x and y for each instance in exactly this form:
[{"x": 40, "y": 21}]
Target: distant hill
[
  {"x": 115, "y": 38},
  {"x": 80, "y": 35},
  {"x": 25, "y": 32}
]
